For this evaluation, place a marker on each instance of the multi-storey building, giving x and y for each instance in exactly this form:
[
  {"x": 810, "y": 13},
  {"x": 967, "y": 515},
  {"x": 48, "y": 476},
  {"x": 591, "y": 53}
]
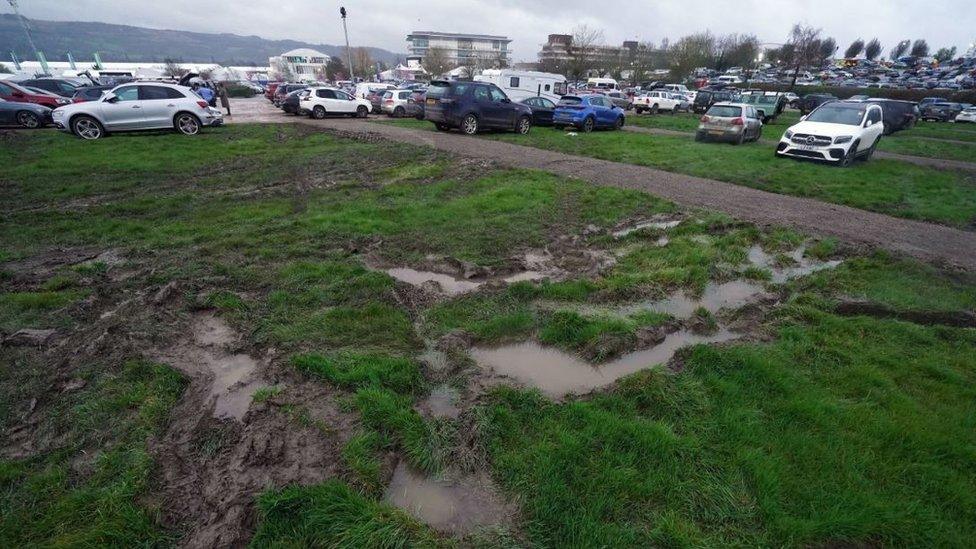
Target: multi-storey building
[
  {"x": 304, "y": 63},
  {"x": 461, "y": 49},
  {"x": 557, "y": 52}
]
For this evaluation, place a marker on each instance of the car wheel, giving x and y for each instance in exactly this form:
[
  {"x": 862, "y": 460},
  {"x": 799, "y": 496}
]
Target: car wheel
[
  {"x": 758, "y": 135},
  {"x": 699, "y": 136},
  {"x": 523, "y": 125},
  {"x": 470, "y": 124},
  {"x": 362, "y": 112},
  {"x": 741, "y": 139},
  {"x": 398, "y": 112},
  {"x": 87, "y": 127},
  {"x": 674, "y": 110},
  {"x": 28, "y": 120},
  {"x": 187, "y": 124},
  {"x": 318, "y": 112},
  {"x": 589, "y": 124},
  {"x": 619, "y": 123},
  {"x": 849, "y": 157}
]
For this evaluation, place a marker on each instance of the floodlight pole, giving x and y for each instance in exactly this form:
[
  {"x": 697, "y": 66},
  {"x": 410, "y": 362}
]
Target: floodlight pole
[{"x": 342, "y": 12}]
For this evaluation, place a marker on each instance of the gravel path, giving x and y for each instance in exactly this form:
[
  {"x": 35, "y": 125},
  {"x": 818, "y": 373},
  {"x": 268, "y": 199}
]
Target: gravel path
[{"x": 926, "y": 241}]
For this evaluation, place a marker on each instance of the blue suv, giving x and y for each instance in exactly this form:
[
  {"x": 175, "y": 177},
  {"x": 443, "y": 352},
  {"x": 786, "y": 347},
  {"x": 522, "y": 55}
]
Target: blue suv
[
  {"x": 587, "y": 112},
  {"x": 473, "y": 106}
]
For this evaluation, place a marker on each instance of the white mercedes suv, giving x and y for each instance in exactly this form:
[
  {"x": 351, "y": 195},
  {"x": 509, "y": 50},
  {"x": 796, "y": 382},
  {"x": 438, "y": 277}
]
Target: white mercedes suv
[
  {"x": 138, "y": 106},
  {"x": 837, "y": 132}
]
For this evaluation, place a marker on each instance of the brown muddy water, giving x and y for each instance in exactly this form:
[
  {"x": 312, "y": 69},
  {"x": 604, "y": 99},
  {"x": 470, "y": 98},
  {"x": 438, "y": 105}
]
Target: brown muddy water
[
  {"x": 558, "y": 373},
  {"x": 803, "y": 266},
  {"x": 660, "y": 225},
  {"x": 455, "y": 506},
  {"x": 442, "y": 402},
  {"x": 448, "y": 284}
]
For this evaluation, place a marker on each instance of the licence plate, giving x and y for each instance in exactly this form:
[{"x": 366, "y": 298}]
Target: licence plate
[
  {"x": 431, "y": 101},
  {"x": 716, "y": 132},
  {"x": 805, "y": 147}
]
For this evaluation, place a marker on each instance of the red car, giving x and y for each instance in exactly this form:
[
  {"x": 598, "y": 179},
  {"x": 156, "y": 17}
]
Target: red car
[
  {"x": 269, "y": 90},
  {"x": 12, "y": 92}
]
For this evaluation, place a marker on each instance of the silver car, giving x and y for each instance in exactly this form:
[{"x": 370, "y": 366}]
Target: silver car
[{"x": 138, "y": 106}]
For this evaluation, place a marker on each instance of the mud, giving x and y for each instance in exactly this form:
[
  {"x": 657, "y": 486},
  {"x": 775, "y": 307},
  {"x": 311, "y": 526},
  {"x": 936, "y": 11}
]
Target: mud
[
  {"x": 727, "y": 295},
  {"x": 957, "y": 319},
  {"x": 453, "y": 504},
  {"x": 651, "y": 224},
  {"x": 558, "y": 373},
  {"x": 442, "y": 402}
]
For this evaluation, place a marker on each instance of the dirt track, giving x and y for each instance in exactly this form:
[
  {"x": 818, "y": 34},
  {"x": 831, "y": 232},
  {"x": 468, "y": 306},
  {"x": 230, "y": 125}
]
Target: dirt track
[{"x": 925, "y": 241}]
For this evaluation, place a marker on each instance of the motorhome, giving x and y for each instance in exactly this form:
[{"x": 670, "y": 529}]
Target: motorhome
[
  {"x": 603, "y": 83},
  {"x": 519, "y": 85}
]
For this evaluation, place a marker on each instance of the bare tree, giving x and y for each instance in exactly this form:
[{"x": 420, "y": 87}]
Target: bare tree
[
  {"x": 173, "y": 70},
  {"x": 854, "y": 49},
  {"x": 283, "y": 70},
  {"x": 582, "y": 50},
  {"x": 641, "y": 62},
  {"x": 920, "y": 48},
  {"x": 805, "y": 48},
  {"x": 736, "y": 50},
  {"x": 691, "y": 52},
  {"x": 900, "y": 50},
  {"x": 362, "y": 62},
  {"x": 437, "y": 62},
  {"x": 873, "y": 49}
]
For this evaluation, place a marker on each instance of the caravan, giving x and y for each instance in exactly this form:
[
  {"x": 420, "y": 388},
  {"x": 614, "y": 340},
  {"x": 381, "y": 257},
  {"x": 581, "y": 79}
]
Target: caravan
[
  {"x": 602, "y": 84},
  {"x": 519, "y": 85}
]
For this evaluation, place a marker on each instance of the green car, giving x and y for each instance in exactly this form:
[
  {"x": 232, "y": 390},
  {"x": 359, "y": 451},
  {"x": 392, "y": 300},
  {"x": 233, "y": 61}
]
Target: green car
[{"x": 769, "y": 105}]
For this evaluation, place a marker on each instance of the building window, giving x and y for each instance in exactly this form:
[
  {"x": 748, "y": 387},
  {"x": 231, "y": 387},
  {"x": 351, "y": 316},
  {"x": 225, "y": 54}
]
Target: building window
[
  {"x": 514, "y": 83},
  {"x": 465, "y": 44},
  {"x": 496, "y": 44},
  {"x": 420, "y": 42}
]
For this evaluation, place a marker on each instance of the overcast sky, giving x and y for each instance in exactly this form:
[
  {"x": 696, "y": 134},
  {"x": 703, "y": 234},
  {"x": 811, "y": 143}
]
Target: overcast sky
[{"x": 385, "y": 23}]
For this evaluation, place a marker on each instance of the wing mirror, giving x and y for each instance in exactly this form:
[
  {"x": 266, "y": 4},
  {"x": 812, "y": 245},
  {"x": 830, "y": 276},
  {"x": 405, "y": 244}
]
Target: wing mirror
[{"x": 110, "y": 98}]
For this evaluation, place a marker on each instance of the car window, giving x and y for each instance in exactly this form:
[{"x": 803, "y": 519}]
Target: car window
[
  {"x": 513, "y": 82},
  {"x": 497, "y": 94},
  {"x": 548, "y": 87},
  {"x": 724, "y": 111},
  {"x": 874, "y": 115},
  {"x": 342, "y": 95},
  {"x": 543, "y": 102},
  {"x": 404, "y": 95},
  {"x": 127, "y": 93},
  {"x": 66, "y": 87},
  {"x": 152, "y": 93},
  {"x": 531, "y": 102},
  {"x": 481, "y": 93},
  {"x": 325, "y": 94},
  {"x": 6, "y": 90}
]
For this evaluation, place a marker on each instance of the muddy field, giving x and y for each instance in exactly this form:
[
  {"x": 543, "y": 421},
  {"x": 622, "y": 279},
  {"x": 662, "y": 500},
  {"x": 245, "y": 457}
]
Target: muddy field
[{"x": 369, "y": 344}]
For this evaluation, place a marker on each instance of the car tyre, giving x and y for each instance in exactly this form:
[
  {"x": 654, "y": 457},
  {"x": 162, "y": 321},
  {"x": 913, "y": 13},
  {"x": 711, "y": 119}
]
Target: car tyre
[
  {"x": 362, "y": 112},
  {"x": 619, "y": 123},
  {"x": 674, "y": 110},
  {"x": 653, "y": 109},
  {"x": 870, "y": 153},
  {"x": 758, "y": 136},
  {"x": 442, "y": 127},
  {"x": 588, "y": 125},
  {"x": 848, "y": 158},
  {"x": 523, "y": 125},
  {"x": 87, "y": 128},
  {"x": 399, "y": 112},
  {"x": 28, "y": 120},
  {"x": 186, "y": 123},
  {"x": 318, "y": 112},
  {"x": 740, "y": 140},
  {"x": 470, "y": 125}
]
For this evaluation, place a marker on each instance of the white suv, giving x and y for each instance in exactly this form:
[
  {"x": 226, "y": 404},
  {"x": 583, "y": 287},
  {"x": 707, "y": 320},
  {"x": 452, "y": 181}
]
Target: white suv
[
  {"x": 142, "y": 106},
  {"x": 838, "y": 132},
  {"x": 322, "y": 101}
]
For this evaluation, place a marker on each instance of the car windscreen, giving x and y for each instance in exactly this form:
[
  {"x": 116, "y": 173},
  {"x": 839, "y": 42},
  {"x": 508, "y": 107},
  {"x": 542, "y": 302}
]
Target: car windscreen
[
  {"x": 438, "y": 89},
  {"x": 725, "y": 111},
  {"x": 832, "y": 114},
  {"x": 569, "y": 101}
]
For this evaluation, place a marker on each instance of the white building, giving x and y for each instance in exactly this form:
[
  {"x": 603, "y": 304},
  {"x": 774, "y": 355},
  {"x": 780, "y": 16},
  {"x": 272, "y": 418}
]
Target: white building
[
  {"x": 303, "y": 63},
  {"x": 461, "y": 49},
  {"x": 138, "y": 70}
]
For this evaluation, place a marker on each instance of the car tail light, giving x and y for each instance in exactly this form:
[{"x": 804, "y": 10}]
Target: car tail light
[
  {"x": 738, "y": 121},
  {"x": 203, "y": 104},
  {"x": 705, "y": 119},
  {"x": 388, "y": 101}
]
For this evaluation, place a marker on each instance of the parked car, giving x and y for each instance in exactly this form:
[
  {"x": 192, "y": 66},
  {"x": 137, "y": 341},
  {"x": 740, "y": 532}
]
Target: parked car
[
  {"x": 792, "y": 99},
  {"x": 270, "y": 89},
  {"x": 707, "y": 98},
  {"x": 587, "y": 112},
  {"x": 399, "y": 103},
  {"x": 930, "y": 100},
  {"x": 59, "y": 86},
  {"x": 967, "y": 115},
  {"x": 768, "y": 105},
  {"x": 89, "y": 93},
  {"x": 473, "y": 106},
  {"x": 811, "y": 101},
  {"x": 542, "y": 110},
  {"x": 898, "y": 115},
  {"x": 292, "y": 102},
  {"x": 18, "y": 94},
  {"x": 138, "y": 107},
  {"x": 734, "y": 123},
  {"x": 655, "y": 101},
  {"x": 322, "y": 101},
  {"x": 282, "y": 91},
  {"x": 941, "y": 112},
  {"x": 620, "y": 99},
  {"x": 419, "y": 97},
  {"x": 27, "y": 115},
  {"x": 837, "y": 132}
]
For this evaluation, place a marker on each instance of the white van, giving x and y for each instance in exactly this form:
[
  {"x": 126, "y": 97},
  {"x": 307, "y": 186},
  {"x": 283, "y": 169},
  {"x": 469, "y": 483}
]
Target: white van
[
  {"x": 364, "y": 88},
  {"x": 603, "y": 83},
  {"x": 519, "y": 85},
  {"x": 676, "y": 88},
  {"x": 729, "y": 79}
]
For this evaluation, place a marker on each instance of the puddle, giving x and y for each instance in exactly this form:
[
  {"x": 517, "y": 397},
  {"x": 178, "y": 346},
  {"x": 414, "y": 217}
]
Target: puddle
[
  {"x": 530, "y": 276},
  {"x": 646, "y": 225},
  {"x": 451, "y": 506},
  {"x": 558, "y": 373},
  {"x": 803, "y": 267},
  {"x": 442, "y": 402},
  {"x": 232, "y": 378},
  {"x": 448, "y": 284},
  {"x": 728, "y": 295}
]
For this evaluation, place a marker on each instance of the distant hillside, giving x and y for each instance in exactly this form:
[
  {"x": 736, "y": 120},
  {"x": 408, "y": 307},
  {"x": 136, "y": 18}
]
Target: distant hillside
[{"x": 125, "y": 43}]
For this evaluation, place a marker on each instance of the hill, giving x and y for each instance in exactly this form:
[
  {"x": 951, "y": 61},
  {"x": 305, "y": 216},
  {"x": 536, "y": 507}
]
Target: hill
[{"x": 126, "y": 43}]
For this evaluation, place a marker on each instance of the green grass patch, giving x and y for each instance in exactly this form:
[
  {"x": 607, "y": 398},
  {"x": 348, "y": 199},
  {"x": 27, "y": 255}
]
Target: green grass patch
[{"x": 352, "y": 370}]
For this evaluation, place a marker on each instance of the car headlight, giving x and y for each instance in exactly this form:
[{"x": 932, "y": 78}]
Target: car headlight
[
  {"x": 788, "y": 134},
  {"x": 842, "y": 139}
]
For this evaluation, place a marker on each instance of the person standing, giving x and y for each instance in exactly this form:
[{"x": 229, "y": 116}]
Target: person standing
[{"x": 224, "y": 99}]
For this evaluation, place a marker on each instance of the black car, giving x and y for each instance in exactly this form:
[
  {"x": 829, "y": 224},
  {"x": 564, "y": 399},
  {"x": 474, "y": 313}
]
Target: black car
[
  {"x": 89, "y": 93},
  {"x": 930, "y": 100},
  {"x": 27, "y": 115},
  {"x": 473, "y": 106},
  {"x": 941, "y": 112},
  {"x": 808, "y": 102},
  {"x": 291, "y": 103},
  {"x": 706, "y": 98},
  {"x": 542, "y": 110},
  {"x": 898, "y": 115},
  {"x": 60, "y": 86}
]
